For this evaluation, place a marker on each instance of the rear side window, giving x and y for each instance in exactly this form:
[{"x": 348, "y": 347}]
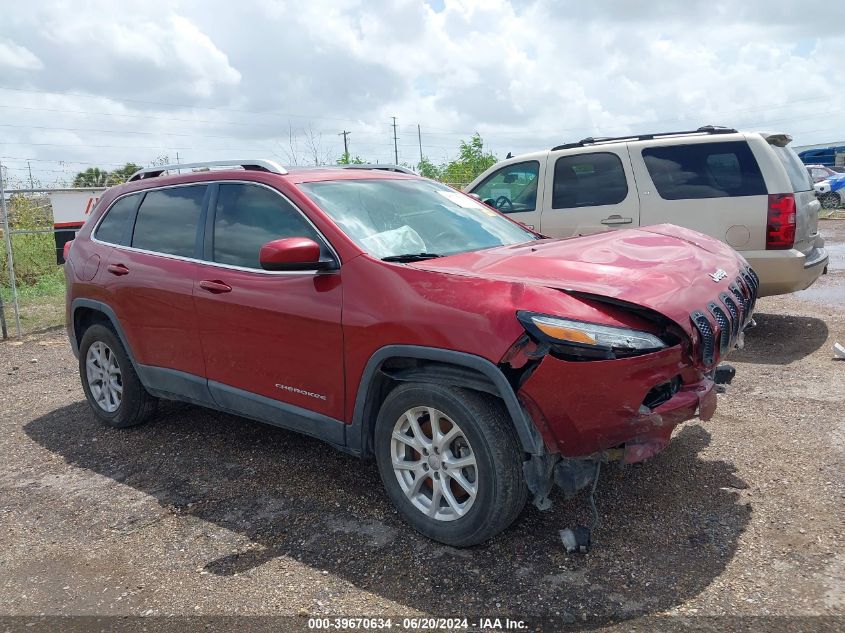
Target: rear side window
[
  {"x": 114, "y": 226},
  {"x": 167, "y": 220},
  {"x": 589, "y": 180},
  {"x": 247, "y": 217},
  {"x": 704, "y": 170},
  {"x": 798, "y": 176}
]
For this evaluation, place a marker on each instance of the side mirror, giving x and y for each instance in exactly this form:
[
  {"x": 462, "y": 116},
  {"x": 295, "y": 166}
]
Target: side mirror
[
  {"x": 293, "y": 253},
  {"x": 474, "y": 195}
]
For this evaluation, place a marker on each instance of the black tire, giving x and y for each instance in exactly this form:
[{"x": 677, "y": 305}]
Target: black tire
[
  {"x": 484, "y": 421},
  {"x": 136, "y": 405}
]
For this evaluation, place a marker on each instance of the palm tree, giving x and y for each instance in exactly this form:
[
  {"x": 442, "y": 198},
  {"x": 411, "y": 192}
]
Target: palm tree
[{"x": 92, "y": 177}]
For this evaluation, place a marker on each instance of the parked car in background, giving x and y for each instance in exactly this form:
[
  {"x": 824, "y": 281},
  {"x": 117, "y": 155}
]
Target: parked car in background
[
  {"x": 821, "y": 172},
  {"x": 399, "y": 319},
  {"x": 747, "y": 189},
  {"x": 830, "y": 191}
]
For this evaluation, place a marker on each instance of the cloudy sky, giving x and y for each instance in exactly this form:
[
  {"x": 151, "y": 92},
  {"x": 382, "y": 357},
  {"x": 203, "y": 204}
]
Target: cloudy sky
[{"x": 101, "y": 82}]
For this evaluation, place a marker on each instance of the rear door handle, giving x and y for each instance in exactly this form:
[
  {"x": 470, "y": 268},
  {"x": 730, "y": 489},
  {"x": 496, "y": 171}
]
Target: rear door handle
[
  {"x": 616, "y": 219},
  {"x": 117, "y": 269},
  {"x": 215, "y": 287}
]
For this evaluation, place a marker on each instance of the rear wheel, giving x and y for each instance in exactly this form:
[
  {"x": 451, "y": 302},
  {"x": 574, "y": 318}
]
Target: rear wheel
[
  {"x": 109, "y": 380},
  {"x": 450, "y": 462}
]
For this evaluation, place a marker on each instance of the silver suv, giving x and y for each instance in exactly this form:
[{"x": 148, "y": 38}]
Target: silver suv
[{"x": 747, "y": 189}]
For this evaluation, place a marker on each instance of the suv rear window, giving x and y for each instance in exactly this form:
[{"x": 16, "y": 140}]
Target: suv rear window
[
  {"x": 795, "y": 169},
  {"x": 589, "y": 180},
  {"x": 704, "y": 170},
  {"x": 112, "y": 228},
  {"x": 167, "y": 220}
]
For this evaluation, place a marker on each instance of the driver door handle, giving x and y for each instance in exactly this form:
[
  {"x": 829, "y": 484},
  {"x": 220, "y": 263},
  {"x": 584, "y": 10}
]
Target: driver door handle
[
  {"x": 215, "y": 287},
  {"x": 616, "y": 219}
]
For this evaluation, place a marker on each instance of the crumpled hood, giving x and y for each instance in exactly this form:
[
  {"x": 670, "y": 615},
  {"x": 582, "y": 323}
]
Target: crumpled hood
[{"x": 663, "y": 267}]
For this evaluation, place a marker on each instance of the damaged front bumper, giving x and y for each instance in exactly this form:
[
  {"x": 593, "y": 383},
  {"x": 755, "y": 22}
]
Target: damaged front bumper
[{"x": 623, "y": 409}]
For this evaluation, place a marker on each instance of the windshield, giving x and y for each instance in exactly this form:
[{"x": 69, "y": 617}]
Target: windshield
[{"x": 394, "y": 218}]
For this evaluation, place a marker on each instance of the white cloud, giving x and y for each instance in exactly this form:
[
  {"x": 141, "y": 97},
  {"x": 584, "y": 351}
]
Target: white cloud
[
  {"x": 525, "y": 74},
  {"x": 16, "y": 57}
]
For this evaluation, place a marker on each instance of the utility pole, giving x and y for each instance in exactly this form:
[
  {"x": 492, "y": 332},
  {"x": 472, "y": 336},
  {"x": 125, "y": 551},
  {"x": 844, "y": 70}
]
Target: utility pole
[
  {"x": 10, "y": 260},
  {"x": 178, "y": 171},
  {"x": 395, "y": 144},
  {"x": 419, "y": 138},
  {"x": 344, "y": 134},
  {"x": 29, "y": 167}
]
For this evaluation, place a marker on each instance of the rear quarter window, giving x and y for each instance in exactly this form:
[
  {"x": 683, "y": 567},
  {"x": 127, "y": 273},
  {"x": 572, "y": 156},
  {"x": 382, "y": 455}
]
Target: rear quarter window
[
  {"x": 115, "y": 225},
  {"x": 704, "y": 170},
  {"x": 798, "y": 176}
]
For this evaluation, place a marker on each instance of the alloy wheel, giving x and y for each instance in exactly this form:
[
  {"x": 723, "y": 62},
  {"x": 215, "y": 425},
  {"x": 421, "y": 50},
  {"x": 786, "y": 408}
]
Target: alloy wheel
[
  {"x": 434, "y": 463},
  {"x": 104, "y": 378}
]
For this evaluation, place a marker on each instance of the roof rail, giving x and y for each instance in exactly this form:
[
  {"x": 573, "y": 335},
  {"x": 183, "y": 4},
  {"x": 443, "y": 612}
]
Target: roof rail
[
  {"x": 256, "y": 164},
  {"x": 381, "y": 166},
  {"x": 704, "y": 129}
]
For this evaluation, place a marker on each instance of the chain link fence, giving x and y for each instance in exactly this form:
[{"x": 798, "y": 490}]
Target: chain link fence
[{"x": 32, "y": 284}]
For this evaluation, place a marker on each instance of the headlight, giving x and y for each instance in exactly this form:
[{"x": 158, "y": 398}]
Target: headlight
[{"x": 589, "y": 340}]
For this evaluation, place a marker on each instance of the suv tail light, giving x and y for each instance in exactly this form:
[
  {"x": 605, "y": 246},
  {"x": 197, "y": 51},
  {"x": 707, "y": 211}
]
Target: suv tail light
[
  {"x": 780, "y": 222},
  {"x": 66, "y": 250}
]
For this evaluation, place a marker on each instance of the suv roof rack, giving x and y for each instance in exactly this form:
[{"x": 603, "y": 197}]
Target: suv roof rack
[
  {"x": 704, "y": 129},
  {"x": 381, "y": 166},
  {"x": 256, "y": 164}
]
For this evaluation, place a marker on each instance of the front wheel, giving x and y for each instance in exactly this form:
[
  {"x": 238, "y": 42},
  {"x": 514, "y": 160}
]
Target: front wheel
[{"x": 450, "y": 462}]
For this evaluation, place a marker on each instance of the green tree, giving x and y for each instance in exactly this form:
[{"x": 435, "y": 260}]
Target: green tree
[
  {"x": 122, "y": 174},
  {"x": 348, "y": 159},
  {"x": 472, "y": 160},
  {"x": 92, "y": 177},
  {"x": 427, "y": 169}
]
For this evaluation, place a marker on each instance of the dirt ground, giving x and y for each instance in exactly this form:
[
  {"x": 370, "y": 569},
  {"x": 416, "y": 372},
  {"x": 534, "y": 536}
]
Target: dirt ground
[{"x": 203, "y": 514}]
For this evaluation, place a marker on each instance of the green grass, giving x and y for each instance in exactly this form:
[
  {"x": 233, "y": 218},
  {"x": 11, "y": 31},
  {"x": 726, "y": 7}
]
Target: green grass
[{"x": 40, "y": 283}]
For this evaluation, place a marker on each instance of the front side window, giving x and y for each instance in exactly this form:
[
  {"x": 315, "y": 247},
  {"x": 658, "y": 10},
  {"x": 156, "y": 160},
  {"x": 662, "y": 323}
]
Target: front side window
[
  {"x": 512, "y": 188},
  {"x": 588, "y": 180},
  {"x": 249, "y": 216},
  {"x": 167, "y": 220},
  {"x": 393, "y": 218},
  {"x": 704, "y": 170},
  {"x": 113, "y": 227}
]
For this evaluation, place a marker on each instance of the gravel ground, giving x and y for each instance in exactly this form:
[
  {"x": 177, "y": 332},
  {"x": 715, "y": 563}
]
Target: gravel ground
[{"x": 200, "y": 513}]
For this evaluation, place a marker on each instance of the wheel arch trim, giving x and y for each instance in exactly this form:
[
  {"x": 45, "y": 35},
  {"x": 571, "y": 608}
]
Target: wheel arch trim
[
  {"x": 364, "y": 413},
  {"x": 98, "y": 306}
]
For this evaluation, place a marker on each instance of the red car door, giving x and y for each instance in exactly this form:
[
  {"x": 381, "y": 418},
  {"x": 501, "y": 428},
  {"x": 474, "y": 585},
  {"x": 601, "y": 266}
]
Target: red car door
[
  {"x": 271, "y": 334},
  {"x": 150, "y": 282}
]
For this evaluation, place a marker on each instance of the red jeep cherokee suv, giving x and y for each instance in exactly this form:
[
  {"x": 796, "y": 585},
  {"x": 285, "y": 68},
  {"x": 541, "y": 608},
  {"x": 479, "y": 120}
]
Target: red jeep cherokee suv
[{"x": 391, "y": 316}]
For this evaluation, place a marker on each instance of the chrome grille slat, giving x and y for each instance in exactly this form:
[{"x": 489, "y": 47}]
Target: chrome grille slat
[
  {"x": 705, "y": 331},
  {"x": 733, "y": 310},
  {"x": 724, "y": 324},
  {"x": 740, "y": 301}
]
